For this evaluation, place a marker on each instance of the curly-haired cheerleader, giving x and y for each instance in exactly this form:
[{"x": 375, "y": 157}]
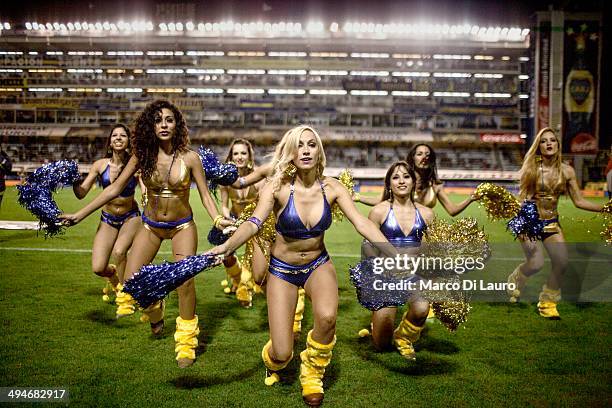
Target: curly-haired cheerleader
[{"x": 168, "y": 167}]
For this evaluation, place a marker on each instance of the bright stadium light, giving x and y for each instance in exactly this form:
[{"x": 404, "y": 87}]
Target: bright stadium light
[
  {"x": 410, "y": 93},
  {"x": 523, "y": 77},
  {"x": 7, "y": 26},
  {"x": 56, "y": 26},
  {"x": 35, "y": 25},
  {"x": 84, "y": 89},
  {"x": 359, "y": 92},
  {"x": 205, "y": 90},
  {"x": 370, "y": 73},
  {"x": 189, "y": 26},
  {"x": 492, "y": 95},
  {"x": 28, "y": 25},
  {"x": 32, "y": 52},
  {"x": 124, "y": 90},
  {"x": 333, "y": 27},
  {"x": 10, "y": 70},
  {"x": 287, "y": 72},
  {"x": 524, "y": 96},
  {"x": 488, "y": 76},
  {"x": 286, "y": 54},
  {"x": 327, "y": 72},
  {"x": 77, "y": 26},
  {"x": 49, "y": 26},
  {"x": 286, "y": 91},
  {"x": 45, "y": 89},
  {"x": 165, "y": 90},
  {"x": 410, "y": 74},
  {"x": 171, "y": 27},
  {"x": 246, "y": 71},
  {"x": 369, "y": 55},
  {"x": 452, "y": 75},
  {"x": 327, "y": 92},
  {"x": 245, "y": 91},
  {"x": 163, "y": 27},
  {"x": 523, "y": 59},
  {"x": 453, "y": 94},
  {"x": 179, "y": 26}
]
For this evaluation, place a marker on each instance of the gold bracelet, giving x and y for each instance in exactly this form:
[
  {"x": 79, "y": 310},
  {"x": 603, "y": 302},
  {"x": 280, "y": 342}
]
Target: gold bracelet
[
  {"x": 357, "y": 197},
  {"x": 216, "y": 221}
]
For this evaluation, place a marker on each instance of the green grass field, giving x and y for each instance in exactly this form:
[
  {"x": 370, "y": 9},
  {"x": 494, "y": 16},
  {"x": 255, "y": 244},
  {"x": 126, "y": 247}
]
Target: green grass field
[{"x": 57, "y": 332}]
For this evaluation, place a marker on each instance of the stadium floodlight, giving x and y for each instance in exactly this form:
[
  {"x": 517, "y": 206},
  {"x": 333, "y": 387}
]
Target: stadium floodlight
[
  {"x": 452, "y": 75},
  {"x": 56, "y": 26},
  {"x": 492, "y": 95},
  {"x": 314, "y": 27},
  {"x": 523, "y": 136},
  {"x": 370, "y": 73},
  {"x": 524, "y": 96},
  {"x": 505, "y": 58},
  {"x": 163, "y": 27},
  {"x": 246, "y": 53},
  {"x": 206, "y": 53},
  {"x": 410, "y": 93},
  {"x": 11, "y": 53},
  {"x": 45, "y": 70},
  {"x": 453, "y": 94},
  {"x": 333, "y": 27},
  {"x": 329, "y": 54},
  {"x": 7, "y": 26},
  {"x": 10, "y": 70},
  {"x": 45, "y": 89},
  {"x": 360, "y": 92},
  {"x": 165, "y": 71},
  {"x": 246, "y": 71},
  {"x": 28, "y": 25},
  {"x": 208, "y": 27},
  {"x": 49, "y": 26},
  {"x": 149, "y": 26},
  {"x": 523, "y": 77},
  {"x": 327, "y": 92},
  {"x": 70, "y": 26},
  {"x": 523, "y": 59},
  {"x": 99, "y": 26},
  {"x": 451, "y": 57},
  {"x": 286, "y": 54},
  {"x": 328, "y": 72},
  {"x": 77, "y": 26},
  {"x": 116, "y": 71},
  {"x": 85, "y": 25},
  {"x": 287, "y": 72},
  {"x": 525, "y": 32},
  {"x": 11, "y": 89},
  {"x": 113, "y": 27},
  {"x": 189, "y": 26},
  {"x": 275, "y": 91},
  {"x": 179, "y": 26},
  {"x": 124, "y": 90},
  {"x": 369, "y": 55},
  {"x": 106, "y": 25},
  {"x": 410, "y": 74},
  {"x": 35, "y": 25},
  {"x": 32, "y": 52},
  {"x": 84, "y": 89},
  {"x": 171, "y": 27},
  {"x": 258, "y": 91},
  {"x": 484, "y": 57},
  {"x": 488, "y": 76},
  {"x": 205, "y": 90}
]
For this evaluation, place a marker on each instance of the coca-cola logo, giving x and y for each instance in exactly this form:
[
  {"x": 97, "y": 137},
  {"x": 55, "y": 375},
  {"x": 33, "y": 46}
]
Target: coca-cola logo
[
  {"x": 579, "y": 90},
  {"x": 583, "y": 143}
]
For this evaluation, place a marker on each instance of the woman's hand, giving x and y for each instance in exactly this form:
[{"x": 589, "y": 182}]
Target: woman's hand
[
  {"x": 70, "y": 219},
  {"x": 225, "y": 223},
  {"x": 219, "y": 250}
]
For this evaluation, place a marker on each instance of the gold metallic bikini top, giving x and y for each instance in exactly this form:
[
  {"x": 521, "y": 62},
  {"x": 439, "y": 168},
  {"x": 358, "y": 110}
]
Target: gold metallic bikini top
[
  {"x": 547, "y": 197},
  {"x": 165, "y": 187},
  {"x": 428, "y": 199},
  {"x": 250, "y": 197}
]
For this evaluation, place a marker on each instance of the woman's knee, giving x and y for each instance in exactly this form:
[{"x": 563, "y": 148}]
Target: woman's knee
[
  {"x": 281, "y": 354},
  {"x": 419, "y": 309},
  {"x": 326, "y": 320},
  {"x": 119, "y": 255},
  {"x": 533, "y": 264},
  {"x": 186, "y": 288}
]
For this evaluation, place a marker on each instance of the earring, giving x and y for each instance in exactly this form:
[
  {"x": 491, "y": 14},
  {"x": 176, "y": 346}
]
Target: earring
[{"x": 290, "y": 170}]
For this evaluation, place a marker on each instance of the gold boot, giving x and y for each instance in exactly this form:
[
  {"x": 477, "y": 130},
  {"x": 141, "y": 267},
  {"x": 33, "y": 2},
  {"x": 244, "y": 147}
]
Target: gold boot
[
  {"x": 233, "y": 277},
  {"x": 244, "y": 293},
  {"x": 272, "y": 366},
  {"x": 110, "y": 289},
  {"x": 155, "y": 316},
  {"x": 315, "y": 359},
  {"x": 299, "y": 313},
  {"x": 518, "y": 279},
  {"x": 186, "y": 338},
  {"x": 547, "y": 306},
  {"x": 404, "y": 336},
  {"x": 125, "y": 303}
]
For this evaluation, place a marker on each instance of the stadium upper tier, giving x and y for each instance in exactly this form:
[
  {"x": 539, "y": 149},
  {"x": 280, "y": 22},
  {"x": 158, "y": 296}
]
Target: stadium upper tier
[{"x": 423, "y": 80}]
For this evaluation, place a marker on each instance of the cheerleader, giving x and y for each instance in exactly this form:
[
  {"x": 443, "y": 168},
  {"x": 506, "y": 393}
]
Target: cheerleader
[
  {"x": 168, "y": 167},
  {"x": 234, "y": 201},
  {"x": 301, "y": 198},
  {"x": 120, "y": 219},
  {"x": 543, "y": 179},
  {"x": 397, "y": 213},
  {"x": 429, "y": 189}
]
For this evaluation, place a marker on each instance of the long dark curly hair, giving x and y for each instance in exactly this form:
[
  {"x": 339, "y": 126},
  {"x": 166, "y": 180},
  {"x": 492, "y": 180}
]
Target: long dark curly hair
[
  {"x": 146, "y": 144},
  {"x": 428, "y": 176}
]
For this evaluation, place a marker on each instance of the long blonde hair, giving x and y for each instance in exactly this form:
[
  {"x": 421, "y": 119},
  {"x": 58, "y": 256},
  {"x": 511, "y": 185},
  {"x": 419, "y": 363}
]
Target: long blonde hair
[
  {"x": 529, "y": 169},
  {"x": 286, "y": 152}
]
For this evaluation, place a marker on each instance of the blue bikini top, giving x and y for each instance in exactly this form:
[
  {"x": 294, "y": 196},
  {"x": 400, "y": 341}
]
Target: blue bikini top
[
  {"x": 104, "y": 180},
  {"x": 290, "y": 225},
  {"x": 393, "y": 232}
]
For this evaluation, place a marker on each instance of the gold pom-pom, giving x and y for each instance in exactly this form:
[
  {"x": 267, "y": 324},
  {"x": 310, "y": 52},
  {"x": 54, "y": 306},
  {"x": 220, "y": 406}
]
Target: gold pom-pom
[
  {"x": 346, "y": 179},
  {"x": 452, "y": 313},
  {"x": 264, "y": 238},
  {"x": 462, "y": 238},
  {"x": 606, "y": 233},
  {"x": 497, "y": 201}
]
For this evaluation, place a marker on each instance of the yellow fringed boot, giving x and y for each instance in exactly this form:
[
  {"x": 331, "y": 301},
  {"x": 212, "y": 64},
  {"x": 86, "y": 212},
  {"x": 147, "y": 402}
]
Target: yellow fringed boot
[
  {"x": 299, "y": 312},
  {"x": 125, "y": 303},
  {"x": 186, "y": 338},
  {"x": 405, "y": 336},
  {"x": 155, "y": 313},
  {"x": 518, "y": 279},
  {"x": 315, "y": 358},
  {"x": 272, "y": 366},
  {"x": 244, "y": 293},
  {"x": 547, "y": 305},
  {"x": 110, "y": 273},
  {"x": 233, "y": 277}
]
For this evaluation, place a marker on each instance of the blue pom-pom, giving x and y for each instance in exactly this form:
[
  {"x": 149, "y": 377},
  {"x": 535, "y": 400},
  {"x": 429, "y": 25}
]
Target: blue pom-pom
[
  {"x": 155, "y": 282},
  {"x": 36, "y": 195},
  {"x": 217, "y": 173},
  {"x": 216, "y": 236},
  {"x": 527, "y": 222},
  {"x": 362, "y": 277}
]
